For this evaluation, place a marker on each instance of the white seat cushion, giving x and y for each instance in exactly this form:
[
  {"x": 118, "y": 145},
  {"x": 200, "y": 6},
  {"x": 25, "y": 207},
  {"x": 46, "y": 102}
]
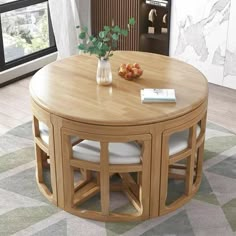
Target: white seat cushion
[
  {"x": 179, "y": 141},
  {"x": 43, "y": 131},
  {"x": 119, "y": 153}
]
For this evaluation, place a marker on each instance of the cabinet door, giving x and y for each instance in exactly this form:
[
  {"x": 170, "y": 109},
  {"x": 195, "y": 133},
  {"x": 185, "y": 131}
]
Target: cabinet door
[
  {"x": 104, "y": 11},
  {"x": 155, "y": 26}
]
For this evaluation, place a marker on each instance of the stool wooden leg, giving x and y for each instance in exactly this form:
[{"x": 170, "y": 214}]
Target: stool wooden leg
[
  {"x": 39, "y": 163},
  {"x": 87, "y": 175},
  {"x": 105, "y": 179},
  {"x": 45, "y": 159},
  {"x": 68, "y": 175},
  {"x": 200, "y": 154},
  {"x": 190, "y": 161},
  {"x": 145, "y": 180},
  {"x": 164, "y": 174}
]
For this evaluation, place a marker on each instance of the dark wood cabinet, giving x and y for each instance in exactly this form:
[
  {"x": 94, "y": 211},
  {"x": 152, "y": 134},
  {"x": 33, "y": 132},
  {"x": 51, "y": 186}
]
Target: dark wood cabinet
[
  {"x": 139, "y": 39},
  {"x": 158, "y": 41}
]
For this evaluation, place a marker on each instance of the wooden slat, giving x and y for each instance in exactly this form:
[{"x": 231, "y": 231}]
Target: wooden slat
[
  {"x": 103, "y": 11},
  {"x": 134, "y": 200},
  {"x": 191, "y": 160},
  {"x": 39, "y": 164},
  {"x": 144, "y": 190},
  {"x": 130, "y": 183},
  {"x": 180, "y": 156},
  {"x": 42, "y": 146},
  {"x": 85, "y": 193},
  {"x": 105, "y": 178}
]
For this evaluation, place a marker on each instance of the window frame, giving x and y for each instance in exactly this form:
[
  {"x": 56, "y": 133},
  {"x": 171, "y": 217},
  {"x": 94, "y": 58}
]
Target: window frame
[{"x": 11, "y": 6}]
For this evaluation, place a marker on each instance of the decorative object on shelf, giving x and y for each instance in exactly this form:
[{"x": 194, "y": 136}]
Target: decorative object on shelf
[
  {"x": 130, "y": 71},
  {"x": 151, "y": 18},
  {"x": 164, "y": 19},
  {"x": 103, "y": 46},
  {"x": 164, "y": 30}
]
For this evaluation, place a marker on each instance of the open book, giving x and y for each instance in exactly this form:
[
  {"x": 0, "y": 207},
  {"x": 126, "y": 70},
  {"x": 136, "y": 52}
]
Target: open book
[{"x": 157, "y": 95}]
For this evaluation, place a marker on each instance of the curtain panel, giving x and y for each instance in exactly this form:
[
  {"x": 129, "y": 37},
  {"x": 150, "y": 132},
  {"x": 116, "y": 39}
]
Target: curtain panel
[{"x": 66, "y": 15}]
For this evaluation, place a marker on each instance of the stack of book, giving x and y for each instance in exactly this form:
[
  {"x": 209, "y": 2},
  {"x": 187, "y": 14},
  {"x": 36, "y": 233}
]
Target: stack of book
[{"x": 150, "y": 95}]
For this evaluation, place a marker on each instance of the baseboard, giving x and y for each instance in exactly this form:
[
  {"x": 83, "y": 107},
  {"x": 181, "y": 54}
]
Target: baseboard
[{"x": 25, "y": 69}]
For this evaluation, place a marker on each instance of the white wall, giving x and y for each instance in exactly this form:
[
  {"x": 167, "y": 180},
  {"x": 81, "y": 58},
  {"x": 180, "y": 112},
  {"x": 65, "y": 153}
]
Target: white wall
[
  {"x": 203, "y": 35},
  {"x": 230, "y": 61}
]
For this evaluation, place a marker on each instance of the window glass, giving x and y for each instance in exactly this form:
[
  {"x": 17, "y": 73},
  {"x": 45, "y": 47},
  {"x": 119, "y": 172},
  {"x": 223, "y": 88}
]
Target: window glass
[
  {"x": 7, "y": 1},
  {"x": 25, "y": 31}
]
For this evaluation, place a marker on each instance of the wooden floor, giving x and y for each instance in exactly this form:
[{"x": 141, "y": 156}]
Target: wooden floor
[{"x": 15, "y": 106}]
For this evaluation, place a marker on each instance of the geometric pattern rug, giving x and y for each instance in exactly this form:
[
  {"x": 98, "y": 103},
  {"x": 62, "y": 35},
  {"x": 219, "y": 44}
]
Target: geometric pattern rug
[{"x": 24, "y": 211}]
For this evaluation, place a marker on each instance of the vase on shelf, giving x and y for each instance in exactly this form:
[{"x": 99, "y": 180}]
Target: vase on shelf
[{"x": 104, "y": 74}]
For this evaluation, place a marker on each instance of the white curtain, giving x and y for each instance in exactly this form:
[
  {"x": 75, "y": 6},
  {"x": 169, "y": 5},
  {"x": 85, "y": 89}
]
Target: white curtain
[{"x": 66, "y": 15}]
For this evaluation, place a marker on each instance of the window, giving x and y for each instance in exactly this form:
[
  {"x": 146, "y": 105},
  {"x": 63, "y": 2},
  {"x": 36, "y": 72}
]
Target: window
[{"x": 25, "y": 32}]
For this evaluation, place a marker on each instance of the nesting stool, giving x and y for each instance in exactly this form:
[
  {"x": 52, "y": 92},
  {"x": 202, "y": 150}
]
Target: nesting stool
[
  {"x": 106, "y": 157},
  {"x": 44, "y": 153},
  {"x": 182, "y": 159}
]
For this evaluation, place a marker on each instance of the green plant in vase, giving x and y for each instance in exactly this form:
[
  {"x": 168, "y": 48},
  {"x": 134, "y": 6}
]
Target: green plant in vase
[{"x": 103, "y": 45}]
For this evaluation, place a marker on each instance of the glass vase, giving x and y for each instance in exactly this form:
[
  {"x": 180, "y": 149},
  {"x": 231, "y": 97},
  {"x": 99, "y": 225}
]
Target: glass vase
[{"x": 104, "y": 74}]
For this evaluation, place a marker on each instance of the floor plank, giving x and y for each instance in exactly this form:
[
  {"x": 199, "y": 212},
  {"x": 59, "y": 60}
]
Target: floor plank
[
  {"x": 222, "y": 106},
  {"x": 14, "y": 105}
]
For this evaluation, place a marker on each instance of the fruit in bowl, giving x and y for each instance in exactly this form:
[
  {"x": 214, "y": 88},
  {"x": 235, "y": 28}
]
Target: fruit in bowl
[{"x": 130, "y": 71}]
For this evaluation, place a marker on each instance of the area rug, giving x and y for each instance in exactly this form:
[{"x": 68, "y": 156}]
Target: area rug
[{"x": 24, "y": 211}]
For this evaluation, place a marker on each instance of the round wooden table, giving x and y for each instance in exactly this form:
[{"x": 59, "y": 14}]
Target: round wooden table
[{"x": 65, "y": 96}]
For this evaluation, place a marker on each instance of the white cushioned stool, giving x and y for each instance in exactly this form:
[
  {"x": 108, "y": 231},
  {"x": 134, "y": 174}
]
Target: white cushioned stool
[
  {"x": 126, "y": 157},
  {"x": 119, "y": 153},
  {"x": 44, "y": 134},
  {"x": 179, "y": 141}
]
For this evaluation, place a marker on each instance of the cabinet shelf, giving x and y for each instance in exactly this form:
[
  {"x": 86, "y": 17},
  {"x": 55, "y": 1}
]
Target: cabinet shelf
[
  {"x": 157, "y": 3},
  {"x": 161, "y": 37}
]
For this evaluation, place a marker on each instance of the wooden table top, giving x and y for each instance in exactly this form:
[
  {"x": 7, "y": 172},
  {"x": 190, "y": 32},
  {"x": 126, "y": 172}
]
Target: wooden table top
[{"x": 68, "y": 88}]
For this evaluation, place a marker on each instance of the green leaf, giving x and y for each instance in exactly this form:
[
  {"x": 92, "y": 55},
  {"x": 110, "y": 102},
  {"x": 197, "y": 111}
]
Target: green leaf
[
  {"x": 111, "y": 54},
  {"x": 115, "y": 37},
  {"x": 124, "y": 32},
  {"x": 92, "y": 50},
  {"x": 116, "y": 29},
  {"x": 94, "y": 40},
  {"x": 81, "y": 47},
  {"x": 85, "y": 29},
  {"x": 132, "y": 21},
  {"x": 100, "y": 45},
  {"x": 107, "y": 28},
  {"x": 82, "y": 35},
  {"x": 102, "y": 34},
  {"x": 106, "y": 40},
  {"x": 105, "y": 47},
  {"x": 102, "y": 53}
]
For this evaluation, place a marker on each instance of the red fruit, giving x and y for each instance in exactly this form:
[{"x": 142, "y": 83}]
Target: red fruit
[
  {"x": 128, "y": 75},
  {"x": 136, "y": 65},
  {"x": 140, "y": 72},
  {"x": 128, "y": 67},
  {"x": 135, "y": 72},
  {"x": 122, "y": 71},
  {"x": 122, "y": 65}
]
